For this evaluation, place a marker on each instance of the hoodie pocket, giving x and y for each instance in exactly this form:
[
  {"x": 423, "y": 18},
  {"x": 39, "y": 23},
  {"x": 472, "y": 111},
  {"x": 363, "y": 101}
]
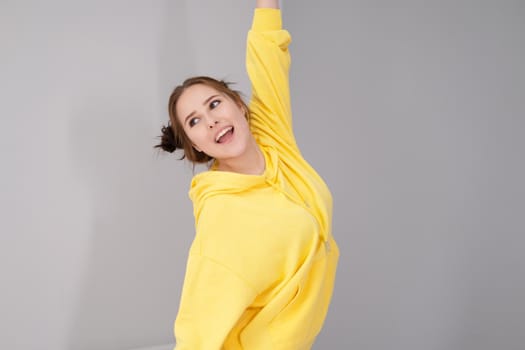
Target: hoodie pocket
[
  {"x": 288, "y": 329},
  {"x": 291, "y": 302}
]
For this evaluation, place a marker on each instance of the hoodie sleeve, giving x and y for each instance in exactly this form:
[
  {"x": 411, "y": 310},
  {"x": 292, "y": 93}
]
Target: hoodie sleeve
[
  {"x": 268, "y": 63},
  {"x": 213, "y": 299}
]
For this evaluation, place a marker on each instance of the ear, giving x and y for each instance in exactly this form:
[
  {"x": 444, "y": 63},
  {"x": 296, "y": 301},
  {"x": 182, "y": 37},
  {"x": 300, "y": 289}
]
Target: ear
[{"x": 197, "y": 148}]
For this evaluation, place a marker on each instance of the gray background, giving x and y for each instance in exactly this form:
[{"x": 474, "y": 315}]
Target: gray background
[{"x": 412, "y": 111}]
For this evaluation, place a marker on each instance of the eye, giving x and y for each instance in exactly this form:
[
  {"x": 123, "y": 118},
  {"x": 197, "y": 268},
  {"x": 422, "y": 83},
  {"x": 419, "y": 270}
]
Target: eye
[
  {"x": 214, "y": 103},
  {"x": 193, "y": 121}
]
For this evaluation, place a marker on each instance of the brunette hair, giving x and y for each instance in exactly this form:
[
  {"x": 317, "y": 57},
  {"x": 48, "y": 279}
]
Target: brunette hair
[{"x": 173, "y": 136}]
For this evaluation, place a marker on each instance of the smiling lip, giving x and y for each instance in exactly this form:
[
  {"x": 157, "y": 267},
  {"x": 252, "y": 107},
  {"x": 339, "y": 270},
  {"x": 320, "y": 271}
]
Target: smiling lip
[{"x": 223, "y": 132}]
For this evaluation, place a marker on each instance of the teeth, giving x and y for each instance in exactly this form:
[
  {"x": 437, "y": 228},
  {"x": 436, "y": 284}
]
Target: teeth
[{"x": 222, "y": 133}]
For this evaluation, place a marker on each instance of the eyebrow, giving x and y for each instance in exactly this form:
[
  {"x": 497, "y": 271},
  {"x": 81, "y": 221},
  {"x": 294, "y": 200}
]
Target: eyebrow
[{"x": 204, "y": 104}]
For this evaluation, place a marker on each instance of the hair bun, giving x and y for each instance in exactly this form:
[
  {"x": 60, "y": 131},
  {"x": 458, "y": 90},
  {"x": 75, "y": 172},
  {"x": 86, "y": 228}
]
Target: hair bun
[{"x": 168, "y": 142}]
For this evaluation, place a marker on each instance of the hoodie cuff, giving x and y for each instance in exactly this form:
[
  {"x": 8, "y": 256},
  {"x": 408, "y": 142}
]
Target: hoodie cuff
[{"x": 266, "y": 19}]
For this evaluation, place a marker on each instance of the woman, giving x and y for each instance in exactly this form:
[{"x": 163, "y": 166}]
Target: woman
[{"x": 261, "y": 268}]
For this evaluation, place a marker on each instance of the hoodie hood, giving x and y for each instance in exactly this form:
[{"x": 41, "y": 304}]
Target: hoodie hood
[{"x": 214, "y": 182}]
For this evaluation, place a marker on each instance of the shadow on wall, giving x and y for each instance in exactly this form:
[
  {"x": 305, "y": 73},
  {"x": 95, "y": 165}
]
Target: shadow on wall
[{"x": 129, "y": 294}]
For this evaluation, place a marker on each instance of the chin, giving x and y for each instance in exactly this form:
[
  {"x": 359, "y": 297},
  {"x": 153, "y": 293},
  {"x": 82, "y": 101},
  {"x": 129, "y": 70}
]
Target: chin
[{"x": 237, "y": 152}]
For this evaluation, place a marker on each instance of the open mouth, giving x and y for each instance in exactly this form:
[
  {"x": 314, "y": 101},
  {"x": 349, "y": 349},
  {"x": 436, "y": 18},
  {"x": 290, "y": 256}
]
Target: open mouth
[{"x": 225, "y": 135}]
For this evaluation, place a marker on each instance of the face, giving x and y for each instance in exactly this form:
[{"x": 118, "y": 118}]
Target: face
[{"x": 215, "y": 124}]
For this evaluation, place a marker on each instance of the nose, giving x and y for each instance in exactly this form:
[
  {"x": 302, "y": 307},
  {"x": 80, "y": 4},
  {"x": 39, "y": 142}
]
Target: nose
[{"x": 212, "y": 123}]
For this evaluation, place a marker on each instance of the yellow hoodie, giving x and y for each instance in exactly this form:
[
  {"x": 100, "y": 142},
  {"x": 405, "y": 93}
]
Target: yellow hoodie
[{"x": 261, "y": 268}]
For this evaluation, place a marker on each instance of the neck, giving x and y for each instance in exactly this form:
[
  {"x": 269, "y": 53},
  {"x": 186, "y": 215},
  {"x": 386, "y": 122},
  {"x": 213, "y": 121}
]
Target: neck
[{"x": 251, "y": 162}]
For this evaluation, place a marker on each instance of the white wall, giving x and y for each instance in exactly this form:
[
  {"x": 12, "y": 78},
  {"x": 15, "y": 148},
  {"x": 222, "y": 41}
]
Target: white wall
[
  {"x": 410, "y": 110},
  {"x": 413, "y": 112},
  {"x": 95, "y": 224}
]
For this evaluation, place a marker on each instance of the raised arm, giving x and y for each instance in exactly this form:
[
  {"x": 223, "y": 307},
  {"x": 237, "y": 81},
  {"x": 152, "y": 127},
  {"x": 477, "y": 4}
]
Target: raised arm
[{"x": 268, "y": 63}]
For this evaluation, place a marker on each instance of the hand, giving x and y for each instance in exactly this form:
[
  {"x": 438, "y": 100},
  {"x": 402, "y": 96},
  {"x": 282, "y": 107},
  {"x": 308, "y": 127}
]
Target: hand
[{"x": 274, "y": 4}]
